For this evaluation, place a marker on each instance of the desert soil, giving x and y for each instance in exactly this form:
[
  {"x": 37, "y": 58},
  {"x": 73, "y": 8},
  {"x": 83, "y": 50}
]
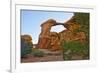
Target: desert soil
[{"x": 50, "y": 56}]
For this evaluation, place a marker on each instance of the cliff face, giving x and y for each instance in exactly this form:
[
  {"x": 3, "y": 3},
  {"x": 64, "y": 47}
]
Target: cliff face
[
  {"x": 75, "y": 31},
  {"x": 44, "y": 37}
]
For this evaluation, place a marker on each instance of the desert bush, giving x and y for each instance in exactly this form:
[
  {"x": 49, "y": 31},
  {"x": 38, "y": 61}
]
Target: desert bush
[
  {"x": 37, "y": 53},
  {"x": 74, "y": 47},
  {"x": 83, "y": 20},
  {"x": 26, "y": 48}
]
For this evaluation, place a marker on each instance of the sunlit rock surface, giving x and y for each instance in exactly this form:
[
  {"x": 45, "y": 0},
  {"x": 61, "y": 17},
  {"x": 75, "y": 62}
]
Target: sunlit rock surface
[{"x": 52, "y": 40}]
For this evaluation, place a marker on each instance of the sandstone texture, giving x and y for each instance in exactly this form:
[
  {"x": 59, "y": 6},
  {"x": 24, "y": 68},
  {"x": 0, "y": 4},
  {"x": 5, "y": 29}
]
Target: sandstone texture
[{"x": 52, "y": 40}]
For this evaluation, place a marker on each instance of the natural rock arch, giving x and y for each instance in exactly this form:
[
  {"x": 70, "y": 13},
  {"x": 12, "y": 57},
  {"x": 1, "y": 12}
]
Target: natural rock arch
[
  {"x": 46, "y": 37},
  {"x": 52, "y": 40}
]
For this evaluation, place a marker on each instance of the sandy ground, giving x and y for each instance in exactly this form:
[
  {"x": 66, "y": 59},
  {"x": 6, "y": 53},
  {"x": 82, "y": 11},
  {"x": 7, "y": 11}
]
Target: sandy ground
[
  {"x": 50, "y": 56},
  {"x": 42, "y": 59}
]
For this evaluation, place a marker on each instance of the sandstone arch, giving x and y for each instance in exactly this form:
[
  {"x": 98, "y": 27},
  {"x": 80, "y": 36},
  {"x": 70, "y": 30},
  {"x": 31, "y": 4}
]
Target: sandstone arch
[
  {"x": 45, "y": 37},
  {"x": 52, "y": 40}
]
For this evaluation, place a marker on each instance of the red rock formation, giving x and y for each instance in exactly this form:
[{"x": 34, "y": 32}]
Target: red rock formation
[
  {"x": 26, "y": 38},
  {"x": 44, "y": 37},
  {"x": 72, "y": 24},
  {"x": 52, "y": 40},
  {"x": 80, "y": 36},
  {"x": 67, "y": 35},
  {"x": 55, "y": 41}
]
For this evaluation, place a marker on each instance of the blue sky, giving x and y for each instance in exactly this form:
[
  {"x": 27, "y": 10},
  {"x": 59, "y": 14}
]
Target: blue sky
[{"x": 31, "y": 21}]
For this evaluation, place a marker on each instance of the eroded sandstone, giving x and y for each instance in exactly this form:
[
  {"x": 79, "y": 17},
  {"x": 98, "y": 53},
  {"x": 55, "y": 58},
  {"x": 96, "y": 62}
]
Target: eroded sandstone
[{"x": 52, "y": 40}]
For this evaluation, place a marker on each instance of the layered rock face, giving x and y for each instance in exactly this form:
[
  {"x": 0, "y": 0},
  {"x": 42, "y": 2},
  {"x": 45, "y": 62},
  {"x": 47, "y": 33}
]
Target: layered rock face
[
  {"x": 52, "y": 40},
  {"x": 26, "y": 38},
  {"x": 72, "y": 32},
  {"x": 44, "y": 37}
]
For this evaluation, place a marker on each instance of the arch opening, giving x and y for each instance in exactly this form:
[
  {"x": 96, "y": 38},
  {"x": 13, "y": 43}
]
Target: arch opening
[{"x": 57, "y": 28}]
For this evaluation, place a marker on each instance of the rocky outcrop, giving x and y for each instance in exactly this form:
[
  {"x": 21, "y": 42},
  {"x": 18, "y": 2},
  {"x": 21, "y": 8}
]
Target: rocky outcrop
[
  {"x": 44, "y": 37},
  {"x": 26, "y": 45},
  {"x": 52, "y": 40},
  {"x": 26, "y": 38},
  {"x": 72, "y": 25},
  {"x": 67, "y": 36}
]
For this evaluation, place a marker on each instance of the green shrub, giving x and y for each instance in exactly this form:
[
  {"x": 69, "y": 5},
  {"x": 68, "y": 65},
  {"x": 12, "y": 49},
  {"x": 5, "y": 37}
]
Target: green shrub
[
  {"x": 26, "y": 48},
  {"x": 75, "y": 47},
  {"x": 83, "y": 20},
  {"x": 37, "y": 53}
]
